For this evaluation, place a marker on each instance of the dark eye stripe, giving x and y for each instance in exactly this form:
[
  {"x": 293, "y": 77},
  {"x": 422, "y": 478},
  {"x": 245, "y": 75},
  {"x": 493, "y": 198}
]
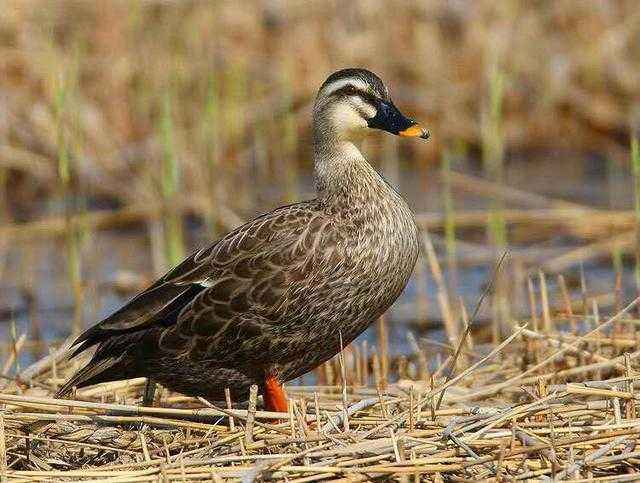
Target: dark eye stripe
[{"x": 350, "y": 90}]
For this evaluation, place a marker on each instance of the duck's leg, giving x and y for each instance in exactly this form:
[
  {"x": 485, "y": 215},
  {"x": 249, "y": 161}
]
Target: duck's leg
[
  {"x": 274, "y": 397},
  {"x": 149, "y": 393}
]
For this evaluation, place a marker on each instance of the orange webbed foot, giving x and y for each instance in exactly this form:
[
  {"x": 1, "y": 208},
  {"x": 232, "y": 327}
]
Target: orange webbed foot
[{"x": 274, "y": 396}]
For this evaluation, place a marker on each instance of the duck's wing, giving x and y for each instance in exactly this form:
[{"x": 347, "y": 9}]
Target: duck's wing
[
  {"x": 263, "y": 282},
  {"x": 154, "y": 305},
  {"x": 236, "y": 275}
]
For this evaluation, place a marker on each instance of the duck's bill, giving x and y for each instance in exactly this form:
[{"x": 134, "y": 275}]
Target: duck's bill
[
  {"x": 415, "y": 131},
  {"x": 389, "y": 118}
]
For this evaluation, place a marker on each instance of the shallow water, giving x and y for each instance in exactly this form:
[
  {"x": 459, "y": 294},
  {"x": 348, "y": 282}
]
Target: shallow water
[{"x": 41, "y": 266}]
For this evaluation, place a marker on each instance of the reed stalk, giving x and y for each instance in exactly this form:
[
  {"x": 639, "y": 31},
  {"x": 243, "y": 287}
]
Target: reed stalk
[
  {"x": 492, "y": 133},
  {"x": 212, "y": 141},
  {"x": 170, "y": 185},
  {"x": 493, "y": 154},
  {"x": 65, "y": 124}
]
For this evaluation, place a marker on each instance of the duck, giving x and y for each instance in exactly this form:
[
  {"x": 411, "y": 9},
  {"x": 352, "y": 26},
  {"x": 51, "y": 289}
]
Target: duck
[{"x": 285, "y": 292}]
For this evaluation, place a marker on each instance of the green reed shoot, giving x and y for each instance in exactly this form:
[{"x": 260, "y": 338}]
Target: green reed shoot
[
  {"x": 213, "y": 148},
  {"x": 170, "y": 184},
  {"x": 493, "y": 153},
  {"x": 493, "y": 164},
  {"x": 63, "y": 117}
]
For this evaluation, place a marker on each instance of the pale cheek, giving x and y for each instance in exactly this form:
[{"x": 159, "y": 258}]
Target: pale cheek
[
  {"x": 364, "y": 107},
  {"x": 369, "y": 111},
  {"x": 348, "y": 119}
]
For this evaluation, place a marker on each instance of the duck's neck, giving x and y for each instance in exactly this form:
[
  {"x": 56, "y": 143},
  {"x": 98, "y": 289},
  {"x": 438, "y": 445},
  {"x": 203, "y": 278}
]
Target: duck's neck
[{"x": 340, "y": 170}]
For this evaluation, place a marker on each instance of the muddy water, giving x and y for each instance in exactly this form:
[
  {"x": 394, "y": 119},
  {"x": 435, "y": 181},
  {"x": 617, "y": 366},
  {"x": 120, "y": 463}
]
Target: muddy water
[{"x": 110, "y": 256}]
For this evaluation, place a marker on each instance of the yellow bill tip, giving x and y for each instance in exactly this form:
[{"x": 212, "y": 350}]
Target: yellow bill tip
[{"x": 415, "y": 131}]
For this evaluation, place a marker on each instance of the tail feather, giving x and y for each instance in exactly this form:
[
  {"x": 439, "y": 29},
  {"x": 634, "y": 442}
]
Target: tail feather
[{"x": 92, "y": 373}]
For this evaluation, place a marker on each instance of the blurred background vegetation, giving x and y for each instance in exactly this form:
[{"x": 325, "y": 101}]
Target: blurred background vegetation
[{"x": 133, "y": 131}]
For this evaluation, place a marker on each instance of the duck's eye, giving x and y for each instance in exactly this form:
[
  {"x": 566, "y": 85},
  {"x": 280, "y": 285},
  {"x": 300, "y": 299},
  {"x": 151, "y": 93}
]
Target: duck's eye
[{"x": 350, "y": 90}]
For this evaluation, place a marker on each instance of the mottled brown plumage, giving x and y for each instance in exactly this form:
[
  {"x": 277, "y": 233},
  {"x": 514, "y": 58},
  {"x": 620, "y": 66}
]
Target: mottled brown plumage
[{"x": 275, "y": 297}]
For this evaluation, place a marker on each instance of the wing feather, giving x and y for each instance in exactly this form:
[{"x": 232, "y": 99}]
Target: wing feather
[
  {"x": 234, "y": 285},
  {"x": 245, "y": 309}
]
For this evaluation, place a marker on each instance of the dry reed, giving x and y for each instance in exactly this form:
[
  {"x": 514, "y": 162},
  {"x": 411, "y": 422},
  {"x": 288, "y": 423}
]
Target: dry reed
[{"x": 529, "y": 419}]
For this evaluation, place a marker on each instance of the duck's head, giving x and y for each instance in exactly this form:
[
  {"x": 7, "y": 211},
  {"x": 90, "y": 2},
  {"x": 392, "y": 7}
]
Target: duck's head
[{"x": 351, "y": 102}]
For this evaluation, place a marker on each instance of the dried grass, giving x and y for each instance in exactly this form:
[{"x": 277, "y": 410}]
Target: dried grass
[{"x": 503, "y": 416}]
